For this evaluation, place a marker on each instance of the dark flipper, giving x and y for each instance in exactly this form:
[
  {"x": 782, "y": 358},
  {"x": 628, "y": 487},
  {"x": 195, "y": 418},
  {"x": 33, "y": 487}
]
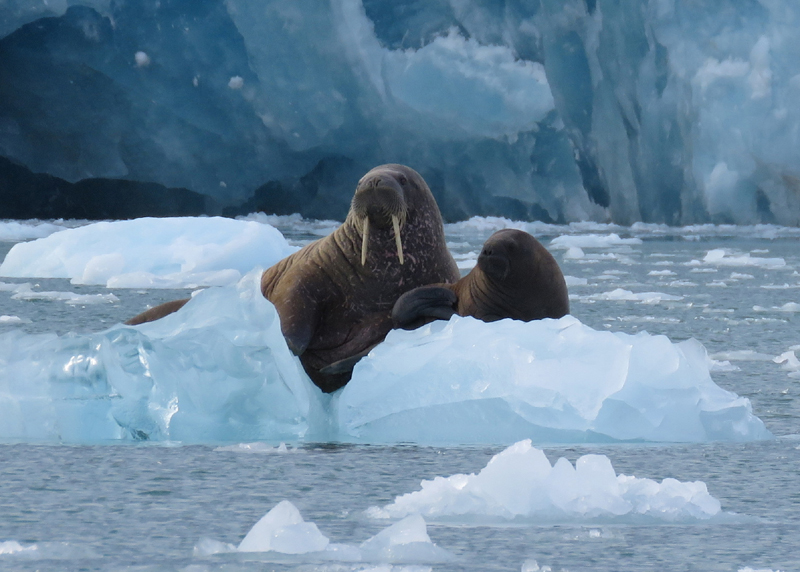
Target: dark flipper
[
  {"x": 423, "y": 305},
  {"x": 157, "y": 312},
  {"x": 345, "y": 365}
]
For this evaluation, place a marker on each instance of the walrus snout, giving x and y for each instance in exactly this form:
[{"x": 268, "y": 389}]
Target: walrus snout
[
  {"x": 494, "y": 263},
  {"x": 380, "y": 202}
]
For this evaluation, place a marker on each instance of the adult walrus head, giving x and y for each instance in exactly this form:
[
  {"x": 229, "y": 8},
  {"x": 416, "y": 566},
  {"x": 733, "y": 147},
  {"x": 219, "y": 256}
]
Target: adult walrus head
[
  {"x": 335, "y": 296},
  {"x": 515, "y": 277}
]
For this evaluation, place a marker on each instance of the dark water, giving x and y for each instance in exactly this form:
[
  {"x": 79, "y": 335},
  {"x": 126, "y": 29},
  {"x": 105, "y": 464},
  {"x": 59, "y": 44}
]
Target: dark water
[{"x": 145, "y": 507}]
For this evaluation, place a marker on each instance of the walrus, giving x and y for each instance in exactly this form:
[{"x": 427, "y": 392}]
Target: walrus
[
  {"x": 335, "y": 296},
  {"x": 515, "y": 277}
]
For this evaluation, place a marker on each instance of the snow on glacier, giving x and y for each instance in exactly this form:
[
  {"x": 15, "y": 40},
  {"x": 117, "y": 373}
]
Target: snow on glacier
[
  {"x": 520, "y": 484},
  {"x": 150, "y": 252},
  {"x": 551, "y": 380}
]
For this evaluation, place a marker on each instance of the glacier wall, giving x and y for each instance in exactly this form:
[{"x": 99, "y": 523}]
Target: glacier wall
[{"x": 669, "y": 111}]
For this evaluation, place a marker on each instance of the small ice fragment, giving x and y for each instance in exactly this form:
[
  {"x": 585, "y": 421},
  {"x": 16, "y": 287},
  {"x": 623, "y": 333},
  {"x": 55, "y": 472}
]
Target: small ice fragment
[
  {"x": 404, "y": 541},
  {"x": 236, "y": 82},
  {"x": 283, "y": 530},
  {"x": 209, "y": 546}
]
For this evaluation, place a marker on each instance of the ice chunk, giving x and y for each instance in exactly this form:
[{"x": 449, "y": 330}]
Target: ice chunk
[
  {"x": 13, "y": 320},
  {"x": 283, "y": 530},
  {"x": 151, "y": 252},
  {"x": 621, "y": 295},
  {"x": 14, "y": 231},
  {"x": 592, "y": 241},
  {"x": 25, "y": 292},
  {"x": 466, "y": 381},
  {"x": 520, "y": 484},
  {"x": 255, "y": 448},
  {"x": 575, "y": 281},
  {"x": 404, "y": 541},
  {"x": 722, "y": 257},
  {"x": 217, "y": 370}
]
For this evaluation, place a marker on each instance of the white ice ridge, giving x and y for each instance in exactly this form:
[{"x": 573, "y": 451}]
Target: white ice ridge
[
  {"x": 219, "y": 370},
  {"x": 17, "y": 231},
  {"x": 150, "y": 252},
  {"x": 520, "y": 484},
  {"x": 282, "y": 530},
  {"x": 466, "y": 381}
]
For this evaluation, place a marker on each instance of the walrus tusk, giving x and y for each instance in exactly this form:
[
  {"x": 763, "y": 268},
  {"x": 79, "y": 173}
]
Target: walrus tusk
[
  {"x": 364, "y": 240},
  {"x": 397, "y": 241}
]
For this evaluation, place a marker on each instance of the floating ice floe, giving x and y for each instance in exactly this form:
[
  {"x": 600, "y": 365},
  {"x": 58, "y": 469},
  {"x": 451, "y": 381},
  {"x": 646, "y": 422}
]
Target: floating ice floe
[
  {"x": 11, "y": 550},
  {"x": 788, "y": 307},
  {"x": 584, "y": 241},
  {"x": 722, "y": 257},
  {"x": 150, "y": 252},
  {"x": 466, "y": 381},
  {"x": 789, "y": 362},
  {"x": 283, "y": 531},
  {"x": 621, "y": 295},
  {"x": 519, "y": 484},
  {"x": 219, "y": 370},
  {"x": 17, "y": 231},
  {"x": 257, "y": 447}
]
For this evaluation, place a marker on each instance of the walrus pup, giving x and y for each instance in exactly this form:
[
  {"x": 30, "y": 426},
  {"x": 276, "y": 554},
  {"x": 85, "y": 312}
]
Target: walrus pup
[
  {"x": 335, "y": 296},
  {"x": 516, "y": 277}
]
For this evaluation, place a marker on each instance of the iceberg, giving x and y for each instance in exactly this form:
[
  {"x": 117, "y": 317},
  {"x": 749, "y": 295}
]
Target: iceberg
[
  {"x": 466, "y": 381},
  {"x": 177, "y": 252},
  {"x": 519, "y": 484},
  {"x": 219, "y": 371}
]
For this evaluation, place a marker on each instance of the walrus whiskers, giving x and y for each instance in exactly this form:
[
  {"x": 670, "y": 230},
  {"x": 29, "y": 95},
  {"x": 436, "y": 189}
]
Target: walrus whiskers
[
  {"x": 364, "y": 240},
  {"x": 397, "y": 241}
]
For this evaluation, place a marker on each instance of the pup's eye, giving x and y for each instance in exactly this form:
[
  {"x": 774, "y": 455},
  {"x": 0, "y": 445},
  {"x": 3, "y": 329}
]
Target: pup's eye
[{"x": 402, "y": 180}]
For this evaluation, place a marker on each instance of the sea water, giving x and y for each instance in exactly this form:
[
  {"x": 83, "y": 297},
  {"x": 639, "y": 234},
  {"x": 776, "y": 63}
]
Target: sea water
[{"x": 152, "y": 506}]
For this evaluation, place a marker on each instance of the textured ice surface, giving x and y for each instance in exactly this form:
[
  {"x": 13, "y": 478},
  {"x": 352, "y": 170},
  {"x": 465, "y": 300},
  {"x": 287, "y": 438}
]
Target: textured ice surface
[
  {"x": 521, "y": 484},
  {"x": 282, "y": 529},
  {"x": 218, "y": 370},
  {"x": 150, "y": 252},
  {"x": 551, "y": 380},
  {"x": 404, "y": 541},
  {"x": 675, "y": 112}
]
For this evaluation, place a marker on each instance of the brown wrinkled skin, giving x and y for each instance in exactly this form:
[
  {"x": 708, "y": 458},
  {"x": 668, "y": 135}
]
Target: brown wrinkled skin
[
  {"x": 331, "y": 306},
  {"x": 534, "y": 288},
  {"x": 515, "y": 277}
]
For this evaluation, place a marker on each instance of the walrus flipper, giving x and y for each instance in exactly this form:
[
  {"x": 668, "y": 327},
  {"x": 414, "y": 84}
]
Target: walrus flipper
[
  {"x": 157, "y": 312},
  {"x": 345, "y": 365},
  {"x": 423, "y": 305}
]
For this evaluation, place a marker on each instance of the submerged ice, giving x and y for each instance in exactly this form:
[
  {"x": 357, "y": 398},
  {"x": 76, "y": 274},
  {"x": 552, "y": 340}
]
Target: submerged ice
[{"x": 520, "y": 484}]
